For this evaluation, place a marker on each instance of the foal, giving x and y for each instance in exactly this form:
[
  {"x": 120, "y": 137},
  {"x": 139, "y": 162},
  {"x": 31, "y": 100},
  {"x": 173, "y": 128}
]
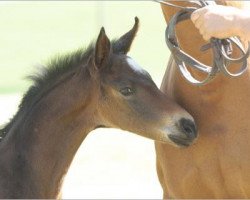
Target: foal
[{"x": 98, "y": 87}]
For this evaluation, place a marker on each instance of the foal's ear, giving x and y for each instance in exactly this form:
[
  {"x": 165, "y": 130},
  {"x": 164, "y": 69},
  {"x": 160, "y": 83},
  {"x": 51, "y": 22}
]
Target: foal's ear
[
  {"x": 102, "y": 49},
  {"x": 123, "y": 44}
]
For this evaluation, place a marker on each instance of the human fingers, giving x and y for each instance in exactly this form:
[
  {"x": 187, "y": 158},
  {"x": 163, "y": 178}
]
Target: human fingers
[
  {"x": 197, "y": 17},
  {"x": 206, "y": 36},
  {"x": 202, "y": 31},
  {"x": 199, "y": 22},
  {"x": 197, "y": 13}
]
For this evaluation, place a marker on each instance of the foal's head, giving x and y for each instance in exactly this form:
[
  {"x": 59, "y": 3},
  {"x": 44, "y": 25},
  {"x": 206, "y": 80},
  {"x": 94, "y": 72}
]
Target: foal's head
[{"x": 130, "y": 100}]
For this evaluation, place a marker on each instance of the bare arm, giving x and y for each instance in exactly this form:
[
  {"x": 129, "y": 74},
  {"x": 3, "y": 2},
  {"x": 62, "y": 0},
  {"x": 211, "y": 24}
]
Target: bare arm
[{"x": 222, "y": 22}]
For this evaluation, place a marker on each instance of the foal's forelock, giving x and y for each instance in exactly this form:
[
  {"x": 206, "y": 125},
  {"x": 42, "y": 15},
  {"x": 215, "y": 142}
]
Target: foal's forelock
[{"x": 134, "y": 65}]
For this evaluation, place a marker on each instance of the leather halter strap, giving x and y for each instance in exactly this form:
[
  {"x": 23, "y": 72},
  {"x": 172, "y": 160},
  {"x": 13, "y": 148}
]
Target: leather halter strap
[{"x": 221, "y": 49}]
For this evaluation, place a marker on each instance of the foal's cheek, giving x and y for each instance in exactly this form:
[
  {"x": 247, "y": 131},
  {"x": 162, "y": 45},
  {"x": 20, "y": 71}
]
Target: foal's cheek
[{"x": 144, "y": 111}]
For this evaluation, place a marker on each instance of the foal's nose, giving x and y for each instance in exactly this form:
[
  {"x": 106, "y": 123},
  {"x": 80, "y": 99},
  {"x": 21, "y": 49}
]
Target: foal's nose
[{"x": 188, "y": 127}]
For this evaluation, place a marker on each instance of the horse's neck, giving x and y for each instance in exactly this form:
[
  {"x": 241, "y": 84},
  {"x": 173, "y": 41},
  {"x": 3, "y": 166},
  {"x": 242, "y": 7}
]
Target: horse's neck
[
  {"x": 191, "y": 41},
  {"x": 41, "y": 146},
  {"x": 218, "y": 91}
]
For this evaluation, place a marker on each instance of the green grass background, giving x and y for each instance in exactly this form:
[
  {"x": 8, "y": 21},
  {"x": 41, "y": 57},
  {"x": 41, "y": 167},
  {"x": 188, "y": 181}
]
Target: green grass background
[{"x": 31, "y": 32}]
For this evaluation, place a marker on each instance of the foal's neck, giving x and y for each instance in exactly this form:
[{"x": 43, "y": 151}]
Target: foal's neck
[{"x": 45, "y": 142}]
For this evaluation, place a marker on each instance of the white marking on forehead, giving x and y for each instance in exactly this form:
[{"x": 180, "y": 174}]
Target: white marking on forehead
[{"x": 134, "y": 65}]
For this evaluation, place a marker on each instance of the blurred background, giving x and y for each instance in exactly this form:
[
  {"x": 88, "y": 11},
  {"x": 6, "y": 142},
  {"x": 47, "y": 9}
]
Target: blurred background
[{"x": 110, "y": 163}]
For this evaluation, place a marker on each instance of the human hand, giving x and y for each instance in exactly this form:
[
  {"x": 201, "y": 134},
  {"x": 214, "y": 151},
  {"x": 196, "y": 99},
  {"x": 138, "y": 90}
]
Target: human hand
[{"x": 217, "y": 21}]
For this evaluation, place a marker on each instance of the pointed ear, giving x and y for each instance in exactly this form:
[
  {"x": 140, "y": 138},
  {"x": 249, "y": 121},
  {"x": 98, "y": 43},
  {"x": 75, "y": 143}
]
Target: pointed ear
[
  {"x": 123, "y": 44},
  {"x": 102, "y": 49}
]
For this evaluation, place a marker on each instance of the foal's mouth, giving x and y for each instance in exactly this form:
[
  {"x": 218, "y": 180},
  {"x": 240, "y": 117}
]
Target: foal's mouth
[{"x": 181, "y": 142}]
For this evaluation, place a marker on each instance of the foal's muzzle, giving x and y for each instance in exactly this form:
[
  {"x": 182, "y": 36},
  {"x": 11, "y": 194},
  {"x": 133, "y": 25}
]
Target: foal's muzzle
[{"x": 187, "y": 133}]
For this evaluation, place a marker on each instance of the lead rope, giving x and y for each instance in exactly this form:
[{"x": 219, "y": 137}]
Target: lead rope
[{"x": 221, "y": 48}]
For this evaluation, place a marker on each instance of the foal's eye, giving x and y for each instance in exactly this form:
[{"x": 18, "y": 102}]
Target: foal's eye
[{"x": 126, "y": 91}]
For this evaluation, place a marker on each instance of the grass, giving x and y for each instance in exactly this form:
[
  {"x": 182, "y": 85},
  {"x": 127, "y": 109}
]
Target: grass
[{"x": 32, "y": 32}]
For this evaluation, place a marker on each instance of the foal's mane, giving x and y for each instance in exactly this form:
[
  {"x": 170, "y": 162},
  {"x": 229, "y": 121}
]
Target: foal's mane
[{"x": 44, "y": 79}]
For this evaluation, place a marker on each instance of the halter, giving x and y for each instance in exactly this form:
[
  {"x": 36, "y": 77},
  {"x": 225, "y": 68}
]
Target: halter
[{"x": 221, "y": 48}]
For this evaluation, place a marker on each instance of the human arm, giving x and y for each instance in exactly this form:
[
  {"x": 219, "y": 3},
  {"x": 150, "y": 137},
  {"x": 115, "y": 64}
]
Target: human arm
[{"x": 222, "y": 22}]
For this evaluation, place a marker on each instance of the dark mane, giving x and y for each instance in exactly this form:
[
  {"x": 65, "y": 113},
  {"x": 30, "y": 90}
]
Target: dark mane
[{"x": 43, "y": 79}]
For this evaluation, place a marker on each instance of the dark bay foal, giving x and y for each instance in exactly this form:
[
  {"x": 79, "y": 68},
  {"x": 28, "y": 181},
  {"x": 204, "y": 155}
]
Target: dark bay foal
[{"x": 75, "y": 94}]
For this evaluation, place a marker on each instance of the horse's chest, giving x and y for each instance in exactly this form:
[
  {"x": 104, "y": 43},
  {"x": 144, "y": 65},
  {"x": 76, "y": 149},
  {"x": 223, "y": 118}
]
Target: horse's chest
[
  {"x": 215, "y": 167},
  {"x": 218, "y": 165}
]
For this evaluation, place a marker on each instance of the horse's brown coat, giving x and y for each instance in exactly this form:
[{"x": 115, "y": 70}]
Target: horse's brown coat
[
  {"x": 89, "y": 89},
  {"x": 218, "y": 164}
]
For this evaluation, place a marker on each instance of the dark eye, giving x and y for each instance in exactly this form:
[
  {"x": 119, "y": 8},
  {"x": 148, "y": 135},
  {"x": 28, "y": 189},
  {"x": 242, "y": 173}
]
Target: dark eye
[{"x": 126, "y": 91}]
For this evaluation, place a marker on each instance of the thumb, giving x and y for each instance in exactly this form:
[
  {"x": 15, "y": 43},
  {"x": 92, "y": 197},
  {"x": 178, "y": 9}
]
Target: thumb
[{"x": 195, "y": 15}]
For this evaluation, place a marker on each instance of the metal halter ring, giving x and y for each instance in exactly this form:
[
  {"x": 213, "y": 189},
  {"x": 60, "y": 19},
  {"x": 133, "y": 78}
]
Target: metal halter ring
[{"x": 221, "y": 48}]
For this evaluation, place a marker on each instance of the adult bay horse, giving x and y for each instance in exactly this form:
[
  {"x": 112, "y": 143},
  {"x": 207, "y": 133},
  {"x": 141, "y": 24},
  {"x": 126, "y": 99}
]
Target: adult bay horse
[
  {"x": 218, "y": 164},
  {"x": 97, "y": 87}
]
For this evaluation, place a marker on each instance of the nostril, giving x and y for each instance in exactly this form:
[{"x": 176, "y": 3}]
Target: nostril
[{"x": 188, "y": 127}]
